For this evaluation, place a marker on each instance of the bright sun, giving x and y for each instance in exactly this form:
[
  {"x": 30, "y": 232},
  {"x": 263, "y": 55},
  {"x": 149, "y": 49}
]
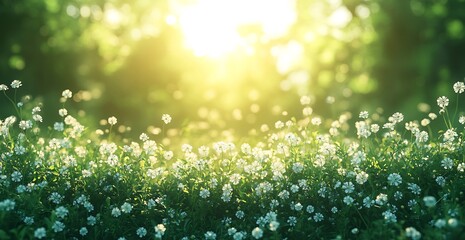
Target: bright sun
[{"x": 211, "y": 27}]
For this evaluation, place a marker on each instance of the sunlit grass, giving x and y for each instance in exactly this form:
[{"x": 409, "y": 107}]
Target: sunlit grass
[{"x": 302, "y": 178}]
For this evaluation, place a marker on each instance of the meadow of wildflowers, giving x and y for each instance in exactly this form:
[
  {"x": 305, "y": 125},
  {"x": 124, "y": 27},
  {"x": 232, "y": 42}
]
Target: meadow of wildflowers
[{"x": 354, "y": 177}]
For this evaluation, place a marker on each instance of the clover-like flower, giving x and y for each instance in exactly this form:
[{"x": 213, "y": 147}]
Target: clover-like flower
[
  {"x": 459, "y": 87},
  {"x": 16, "y": 84},
  {"x": 443, "y": 102},
  {"x": 67, "y": 93},
  {"x": 112, "y": 120},
  {"x": 166, "y": 118}
]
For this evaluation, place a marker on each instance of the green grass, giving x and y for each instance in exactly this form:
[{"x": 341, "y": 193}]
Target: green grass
[{"x": 300, "y": 180}]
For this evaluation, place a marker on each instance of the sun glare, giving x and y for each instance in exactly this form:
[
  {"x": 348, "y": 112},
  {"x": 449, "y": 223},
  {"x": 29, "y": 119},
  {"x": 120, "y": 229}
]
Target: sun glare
[{"x": 211, "y": 27}]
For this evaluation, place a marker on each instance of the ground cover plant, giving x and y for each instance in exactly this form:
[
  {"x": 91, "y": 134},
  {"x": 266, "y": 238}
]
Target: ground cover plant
[{"x": 355, "y": 177}]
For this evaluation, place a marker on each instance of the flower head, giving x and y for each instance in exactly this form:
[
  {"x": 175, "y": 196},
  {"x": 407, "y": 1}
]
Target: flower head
[
  {"x": 394, "y": 179},
  {"x": 430, "y": 201},
  {"x": 160, "y": 230},
  {"x": 257, "y": 233},
  {"x": 67, "y": 93},
  {"x": 126, "y": 207},
  {"x": 305, "y": 100},
  {"x": 363, "y": 114},
  {"x": 459, "y": 87},
  {"x": 40, "y": 233},
  {"x": 443, "y": 102},
  {"x": 141, "y": 232},
  {"x": 412, "y": 233},
  {"x": 16, "y": 84},
  {"x": 166, "y": 118},
  {"x": 3, "y": 87},
  {"x": 112, "y": 120}
]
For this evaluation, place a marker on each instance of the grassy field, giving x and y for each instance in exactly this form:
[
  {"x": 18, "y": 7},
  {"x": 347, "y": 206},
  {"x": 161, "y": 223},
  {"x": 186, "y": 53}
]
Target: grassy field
[{"x": 360, "y": 176}]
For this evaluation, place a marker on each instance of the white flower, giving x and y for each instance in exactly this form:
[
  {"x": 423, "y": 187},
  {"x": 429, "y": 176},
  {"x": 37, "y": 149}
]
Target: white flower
[
  {"x": 348, "y": 187},
  {"x": 412, "y": 233},
  {"x": 273, "y": 225},
  {"x": 440, "y": 223},
  {"x": 441, "y": 181},
  {"x": 257, "y": 233},
  {"x": 83, "y": 231},
  {"x": 318, "y": 217},
  {"x": 298, "y": 206},
  {"x": 307, "y": 111},
  {"x": 37, "y": 118},
  {"x": 16, "y": 176},
  {"x": 363, "y": 115},
  {"x": 3, "y": 87},
  {"x": 61, "y": 212},
  {"x": 204, "y": 193},
  {"x": 389, "y": 216},
  {"x": 59, "y": 126},
  {"x": 310, "y": 209},
  {"x": 28, "y": 220},
  {"x": 316, "y": 121},
  {"x": 361, "y": 177},
  {"x": 63, "y": 112},
  {"x": 115, "y": 212},
  {"x": 443, "y": 102},
  {"x": 363, "y": 129},
  {"x": 461, "y": 167},
  {"x": 58, "y": 226},
  {"x": 396, "y": 117},
  {"x": 394, "y": 179},
  {"x": 453, "y": 222},
  {"x": 348, "y": 200},
  {"x": 25, "y": 124},
  {"x": 421, "y": 137},
  {"x": 447, "y": 163},
  {"x": 141, "y": 232},
  {"x": 36, "y": 110},
  {"x": 112, "y": 120},
  {"x": 462, "y": 120},
  {"x": 450, "y": 135},
  {"x": 7, "y": 205},
  {"x": 91, "y": 220},
  {"x": 40, "y": 232},
  {"x": 240, "y": 214},
  {"x": 381, "y": 199},
  {"x": 278, "y": 124},
  {"x": 166, "y": 118},
  {"x": 459, "y": 87},
  {"x": 160, "y": 230},
  {"x": 126, "y": 207},
  {"x": 55, "y": 198},
  {"x": 209, "y": 235},
  {"x": 67, "y": 93},
  {"x": 168, "y": 155},
  {"x": 305, "y": 100},
  {"x": 16, "y": 84},
  {"x": 143, "y": 137},
  {"x": 414, "y": 188},
  {"x": 430, "y": 201}
]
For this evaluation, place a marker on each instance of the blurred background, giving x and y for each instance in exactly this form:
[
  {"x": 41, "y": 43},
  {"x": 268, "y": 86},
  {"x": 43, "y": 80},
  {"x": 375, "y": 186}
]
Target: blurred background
[{"x": 231, "y": 64}]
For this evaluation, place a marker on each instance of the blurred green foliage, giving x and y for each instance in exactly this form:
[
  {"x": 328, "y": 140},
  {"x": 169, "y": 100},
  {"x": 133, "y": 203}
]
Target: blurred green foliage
[{"x": 123, "y": 59}]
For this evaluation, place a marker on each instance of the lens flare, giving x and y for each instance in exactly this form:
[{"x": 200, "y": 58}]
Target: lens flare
[{"x": 211, "y": 27}]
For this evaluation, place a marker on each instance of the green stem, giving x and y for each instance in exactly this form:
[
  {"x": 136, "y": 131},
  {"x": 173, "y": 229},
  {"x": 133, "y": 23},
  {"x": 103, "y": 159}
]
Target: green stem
[
  {"x": 456, "y": 107},
  {"x": 446, "y": 120},
  {"x": 109, "y": 134},
  {"x": 14, "y": 104}
]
